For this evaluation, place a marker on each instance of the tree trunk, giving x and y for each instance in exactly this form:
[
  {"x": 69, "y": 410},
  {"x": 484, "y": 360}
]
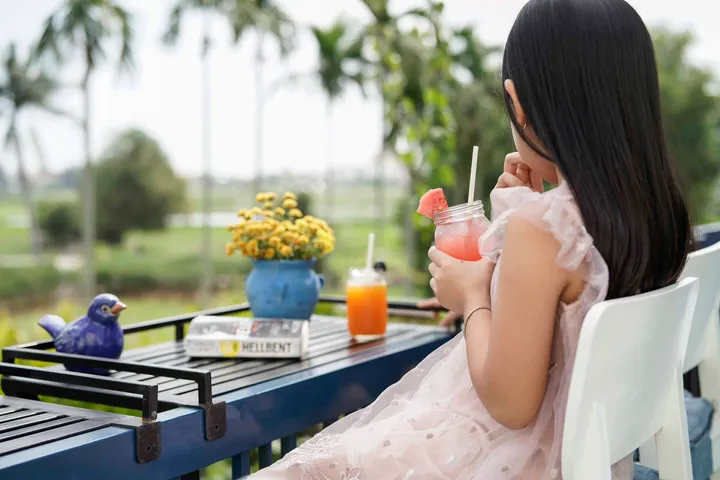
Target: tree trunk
[
  {"x": 378, "y": 180},
  {"x": 329, "y": 174},
  {"x": 88, "y": 192},
  {"x": 26, "y": 195},
  {"x": 207, "y": 246},
  {"x": 259, "y": 115},
  {"x": 410, "y": 237}
]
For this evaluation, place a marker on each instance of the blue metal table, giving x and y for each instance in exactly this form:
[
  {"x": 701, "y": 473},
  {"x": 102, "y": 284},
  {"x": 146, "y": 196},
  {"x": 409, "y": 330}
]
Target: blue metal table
[{"x": 195, "y": 412}]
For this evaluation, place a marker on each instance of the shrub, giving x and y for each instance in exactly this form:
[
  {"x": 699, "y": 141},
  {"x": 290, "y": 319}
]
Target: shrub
[
  {"x": 136, "y": 187},
  {"x": 59, "y": 223},
  {"x": 29, "y": 284}
]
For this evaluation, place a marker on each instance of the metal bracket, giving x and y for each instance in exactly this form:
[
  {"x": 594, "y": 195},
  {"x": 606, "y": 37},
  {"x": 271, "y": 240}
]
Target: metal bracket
[
  {"x": 148, "y": 444},
  {"x": 215, "y": 420}
]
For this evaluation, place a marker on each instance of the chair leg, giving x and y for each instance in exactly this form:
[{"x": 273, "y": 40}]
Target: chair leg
[{"x": 673, "y": 444}]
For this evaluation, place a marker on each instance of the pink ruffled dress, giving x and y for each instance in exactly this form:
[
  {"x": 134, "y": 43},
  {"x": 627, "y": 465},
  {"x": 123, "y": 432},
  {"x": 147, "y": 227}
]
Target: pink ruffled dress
[{"x": 431, "y": 424}]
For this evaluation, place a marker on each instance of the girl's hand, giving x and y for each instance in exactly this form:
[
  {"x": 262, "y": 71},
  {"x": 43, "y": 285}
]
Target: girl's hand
[
  {"x": 516, "y": 173},
  {"x": 460, "y": 285},
  {"x": 450, "y": 317}
]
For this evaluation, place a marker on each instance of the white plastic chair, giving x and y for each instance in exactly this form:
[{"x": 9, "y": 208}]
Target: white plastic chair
[
  {"x": 626, "y": 384},
  {"x": 704, "y": 344},
  {"x": 703, "y": 350}
]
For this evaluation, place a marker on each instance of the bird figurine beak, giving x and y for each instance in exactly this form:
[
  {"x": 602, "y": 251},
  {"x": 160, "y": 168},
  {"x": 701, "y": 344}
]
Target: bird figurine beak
[{"x": 117, "y": 308}]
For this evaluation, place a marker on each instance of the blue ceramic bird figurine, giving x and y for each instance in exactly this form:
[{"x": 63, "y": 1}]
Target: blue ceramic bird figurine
[{"x": 96, "y": 334}]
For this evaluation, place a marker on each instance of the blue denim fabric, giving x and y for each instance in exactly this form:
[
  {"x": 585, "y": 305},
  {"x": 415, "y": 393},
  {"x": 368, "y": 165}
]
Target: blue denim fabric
[{"x": 700, "y": 415}]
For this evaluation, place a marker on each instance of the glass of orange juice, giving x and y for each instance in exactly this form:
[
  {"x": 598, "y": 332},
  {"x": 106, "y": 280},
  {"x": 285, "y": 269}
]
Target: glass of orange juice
[
  {"x": 458, "y": 230},
  {"x": 367, "y": 308}
]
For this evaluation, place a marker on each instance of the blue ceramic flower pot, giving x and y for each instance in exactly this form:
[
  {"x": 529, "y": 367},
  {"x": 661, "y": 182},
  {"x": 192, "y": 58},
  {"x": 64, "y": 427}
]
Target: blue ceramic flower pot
[{"x": 283, "y": 289}]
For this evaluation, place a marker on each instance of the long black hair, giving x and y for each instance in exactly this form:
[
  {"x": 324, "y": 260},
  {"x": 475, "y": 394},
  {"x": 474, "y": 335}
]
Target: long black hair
[{"x": 586, "y": 77}]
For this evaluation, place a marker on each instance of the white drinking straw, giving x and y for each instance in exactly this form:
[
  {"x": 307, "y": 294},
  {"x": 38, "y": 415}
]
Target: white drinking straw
[
  {"x": 371, "y": 247},
  {"x": 473, "y": 170}
]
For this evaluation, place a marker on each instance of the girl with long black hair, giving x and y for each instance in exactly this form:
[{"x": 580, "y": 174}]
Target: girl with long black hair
[{"x": 581, "y": 88}]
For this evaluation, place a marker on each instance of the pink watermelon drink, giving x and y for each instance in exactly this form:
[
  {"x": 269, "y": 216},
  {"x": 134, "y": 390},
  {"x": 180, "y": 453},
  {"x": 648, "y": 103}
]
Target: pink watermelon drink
[{"x": 457, "y": 229}]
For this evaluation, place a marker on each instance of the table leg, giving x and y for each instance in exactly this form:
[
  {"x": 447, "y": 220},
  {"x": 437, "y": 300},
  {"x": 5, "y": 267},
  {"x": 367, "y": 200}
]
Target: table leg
[{"x": 241, "y": 465}]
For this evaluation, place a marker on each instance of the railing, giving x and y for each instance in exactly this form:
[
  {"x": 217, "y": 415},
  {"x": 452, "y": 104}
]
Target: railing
[{"x": 145, "y": 397}]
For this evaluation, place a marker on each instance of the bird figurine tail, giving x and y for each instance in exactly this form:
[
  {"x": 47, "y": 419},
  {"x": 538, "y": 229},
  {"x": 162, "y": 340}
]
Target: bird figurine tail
[{"x": 52, "y": 324}]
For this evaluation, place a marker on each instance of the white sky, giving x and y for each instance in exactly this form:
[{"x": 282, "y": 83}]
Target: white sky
[{"x": 163, "y": 97}]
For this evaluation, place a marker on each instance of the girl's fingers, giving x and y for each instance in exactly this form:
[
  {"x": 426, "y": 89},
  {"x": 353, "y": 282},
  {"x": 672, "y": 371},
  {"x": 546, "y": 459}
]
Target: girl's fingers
[
  {"x": 512, "y": 160},
  {"x": 428, "y": 303},
  {"x": 449, "y": 319},
  {"x": 523, "y": 173},
  {"x": 508, "y": 180},
  {"x": 536, "y": 182}
]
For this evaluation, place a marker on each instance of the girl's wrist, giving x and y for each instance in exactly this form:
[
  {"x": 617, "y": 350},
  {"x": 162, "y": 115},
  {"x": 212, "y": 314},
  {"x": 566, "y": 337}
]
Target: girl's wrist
[{"x": 475, "y": 301}]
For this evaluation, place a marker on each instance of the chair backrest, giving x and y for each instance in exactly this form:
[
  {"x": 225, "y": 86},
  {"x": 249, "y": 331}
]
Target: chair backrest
[
  {"x": 705, "y": 266},
  {"x": 626, "y": 384}
]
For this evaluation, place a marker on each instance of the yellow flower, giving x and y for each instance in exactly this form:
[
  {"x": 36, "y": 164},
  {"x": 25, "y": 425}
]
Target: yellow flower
[
  {"x": 229, "y": 249},
  {"x": 280, "y": 211},
  {"x": 270, "y": 196},
  {"x": 286, "y": 250},
  {"x": 236, "y": 236},
  {"x": 252, "y": 248},
  {"x": 269, "y": 253},
  {"x": 279, "y": 230},
  {"x": 289, "y": 196},
  {"x": 256, "y": 211},
  {"x": 295, "y": 213},
  {"x": 268, "y": 206},
  {"x": 241, "y": 212},
  {"x": 240, "y": 244},
  {"x": 274, "y": 241},
  {"x": 303, "y": 240},
  {"x": 268, "y": 213},
  {"x": 289, "y": 203},
  {"x": 261, "y": 197},
  {"x": 301, "y": 223},
  {"x": 230, "y": 227},
  {"x": 248, "y": 215}
]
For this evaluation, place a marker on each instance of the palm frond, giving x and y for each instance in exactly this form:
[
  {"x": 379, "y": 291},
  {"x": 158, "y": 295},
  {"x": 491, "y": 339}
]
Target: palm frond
[
  {"x": 341, "y": 58},
  {"x": 172, "y": 33},
  {"x": 48, "y": 42},
  {"x": 264, "y": 16},
  {"x": 87, "y": 24},
  {"x": 127, "y": 37}
]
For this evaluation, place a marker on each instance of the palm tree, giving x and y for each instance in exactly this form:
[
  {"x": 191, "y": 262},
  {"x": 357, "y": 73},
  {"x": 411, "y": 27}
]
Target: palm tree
[
  {"x": 88, "y": 26},
  {"x": 341, "y": 65},
  {"x": 265, "y": 17},
  {"x": 25, "y": 87},
  {"x": 242, "y": 15},
  {"x": 387, "y": 41}
]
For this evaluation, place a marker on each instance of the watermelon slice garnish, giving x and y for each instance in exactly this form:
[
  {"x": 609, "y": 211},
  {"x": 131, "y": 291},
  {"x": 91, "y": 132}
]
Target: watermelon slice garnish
[{"x": 433, "y": 201}]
